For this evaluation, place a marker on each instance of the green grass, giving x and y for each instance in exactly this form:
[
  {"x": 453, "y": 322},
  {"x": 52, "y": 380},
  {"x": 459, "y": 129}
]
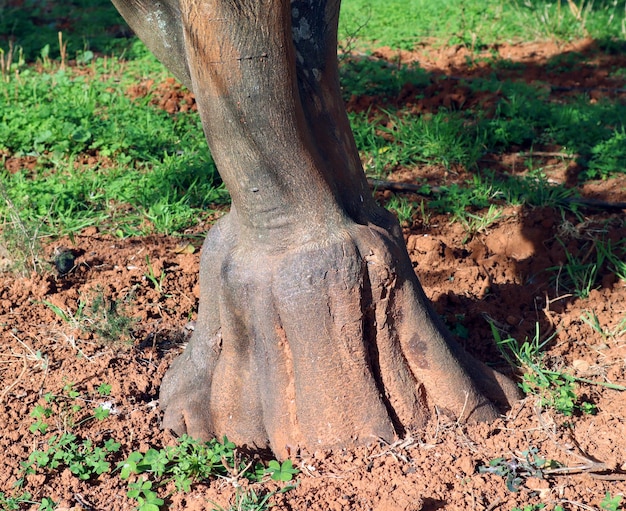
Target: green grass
[
  {"x": 87, "y": 25},
  {"x": 368, "y": 76},
  {"x": 582, "y": 273},
  {"x": 614, "y": 332},
  {"x": 524, "y": 117},
  {"x": 404, "y": 23},
  {"x": 94, "y": 25},
  {"x": 154, "y": 172},
  {"x": 250, "y": 500},
  {"x": 403, "y": 208},
  {"x": 99, "y": 157},
  {"x": 477, "y": 204},
  {"x": 395, "y": 140}
]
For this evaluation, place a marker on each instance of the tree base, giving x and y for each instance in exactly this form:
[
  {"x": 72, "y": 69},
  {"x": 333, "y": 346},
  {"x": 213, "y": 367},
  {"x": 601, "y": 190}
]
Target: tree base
[{"x": 322, "y": 345}]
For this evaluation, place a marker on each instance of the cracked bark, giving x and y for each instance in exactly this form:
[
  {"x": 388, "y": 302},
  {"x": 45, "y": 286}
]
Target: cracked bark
[{"x": 313, "y": 330}]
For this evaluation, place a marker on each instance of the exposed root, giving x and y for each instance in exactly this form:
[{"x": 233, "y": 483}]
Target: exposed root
[{"x": 324, "y": 345}]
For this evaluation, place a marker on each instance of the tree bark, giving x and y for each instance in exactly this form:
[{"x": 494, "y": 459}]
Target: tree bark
[{"x": 313, "y": 330}]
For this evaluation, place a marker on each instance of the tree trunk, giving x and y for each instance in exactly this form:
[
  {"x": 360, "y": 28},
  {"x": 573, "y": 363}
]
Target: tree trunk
[{"x": 313, "y": 330}]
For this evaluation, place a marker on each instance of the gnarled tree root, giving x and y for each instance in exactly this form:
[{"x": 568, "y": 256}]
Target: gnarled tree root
[{"x": 322, "y": 345}]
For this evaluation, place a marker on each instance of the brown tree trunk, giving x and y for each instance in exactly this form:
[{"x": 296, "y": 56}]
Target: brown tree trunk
[{"x": 312, "y": 329}]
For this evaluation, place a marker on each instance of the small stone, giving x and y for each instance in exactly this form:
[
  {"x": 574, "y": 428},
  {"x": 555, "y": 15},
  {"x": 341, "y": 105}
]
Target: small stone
[
  {"x": 185, "y": 248},
  {"x": 92, "y": 230},
  {"x": 466, "y": 465},
  {"x": 537, "y": 484},
  {"x": 64, "y": 260},
  {"x": 581, "y": 366}
]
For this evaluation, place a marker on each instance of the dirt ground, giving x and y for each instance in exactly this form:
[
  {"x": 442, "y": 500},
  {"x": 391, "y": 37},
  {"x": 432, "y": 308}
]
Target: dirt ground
[{"x": 501, "y": 274}]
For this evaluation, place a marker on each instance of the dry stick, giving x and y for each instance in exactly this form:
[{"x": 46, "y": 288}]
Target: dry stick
[
  {"x": 82, "y": 500},
  {"x": 577, "y": 504},
  {"x": 548, "y": 154},
  {"x": 396, "y": 186},
  {"x": 494, "y": 504},
  {"x": 590, "y": 466},
  {"x": 395, "y": 448},
  {"x": 435, "y": 438},
  {"x": 62, "y": 50},
  {"x": 8, "y": 389},
  {"x": 595, "y": 203},
  {"x": 29, "y": 354}
]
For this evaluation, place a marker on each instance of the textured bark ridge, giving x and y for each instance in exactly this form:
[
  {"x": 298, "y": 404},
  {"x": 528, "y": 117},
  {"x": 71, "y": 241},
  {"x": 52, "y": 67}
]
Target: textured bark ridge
[
  {"x": 313, "y": 330},
  {"x": 322, "y": 345}
]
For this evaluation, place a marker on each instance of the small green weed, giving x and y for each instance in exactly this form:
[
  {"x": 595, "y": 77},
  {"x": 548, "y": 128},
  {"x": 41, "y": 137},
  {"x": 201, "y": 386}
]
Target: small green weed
[
  {"x": 147, "y": 499},
  {"x": 281, "y": 471},
  {"x": 104, "y": 389},
  {"x": 615, "y": 254},
  {"x": 424, "y": 214},
  {"x": 402, "y": 208},
  {"x": 537, "y": 507},
  {"x": 191, "y": 461},
  {"x": 556, "y": 389},
  {"x": 103, "y": 317},
  {"x": 607, "y": 158},
  {"x": 156, "y": 280},
  {"x": 41, "y": 414},
  {"x": 73, "y": 319},
  {"x": 187, "y": 462},
  {"x": 14, "y": 502},
  {"x": 474, "y": 223},
  {"x": 249, "y": 500},
  {"x": 184, "y": 464},
  {"x": 84, "y": 459},
  {"x": 69, "y": 409},
  {"x": 579, "y": 276},
  {"x": 47, "y": 504},
  {"x": 590, "y": 318},
  {"x": 610, "y": 503},
  {"x": 109, "y": 320},
  {"x": 529, "y": 464}
]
